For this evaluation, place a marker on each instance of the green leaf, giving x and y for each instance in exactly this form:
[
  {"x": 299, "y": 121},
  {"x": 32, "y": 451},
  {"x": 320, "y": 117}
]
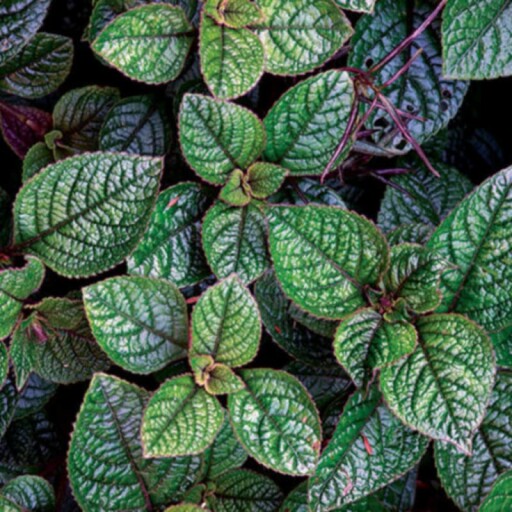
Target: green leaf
[
  {"x": 365, "y": 342},
  {"x": 233, "y": 13},
  {"x": 236, "y": 191},
  {"x": 369, "y": 449},
  {"x": 245, "y": 491},
  {"x": 400, "y": 495},
  {"x": 314, "y": 248},
  {"x": 16, "y": 285},
  {"x": 415, "y": 275},
  {"x": 79, "y": 115},
  {"x": 475, "y": 238},
  {"x": 276, "y": 421},
  {"x": 422, "y": 89},
  {"x": 234, "y": 241},
  {"x": 34, "y": 396},
  {"x": 140, "y": 322},
  {"x": 468, "y": 479},
  {"x": 171, "y": 246},
  {"x": 19, "y": 21},
  {"x": 357, "y": 5},
  {"x": 38, "y": 157},
  {"x": 218, "y": 137},
  {"x": 148, "y": 43},
  {"x": 180, "y": 419},
  {"x": 474, "y": 35},
  {"x": 304, "y": 139},
  {"x": 224, "y": 454},
  {"x": 105, "y": 464},
  {"x": 502, "y": 343},
  {"x": 300, "y": 36},
  {"x": 308, "y": 191},
  {"x": 8, "y": 400},
  {"x": 428, "y": 199},
  {"x": 222, "y": 380},
  {"x": 4, "y": 363},
  {"x": 79, "y": 230},
  {"x": 443, "y": 387},
  {"x": 186, "y": 507},
  {"x": 232, "y": 60},
  {"x": 28, "y": 493},
  {"x": 39, "y": 68},
  {"x": 415, "y": 233},
  {"x": 500, "y": 497},
  {"x": 136, "y": 125},
  {"x": 21, "y": 353},
  {"x": 226, "y": 324},
  {"x": 325, "y": 328},
  {"x": 265, "y": 179}
]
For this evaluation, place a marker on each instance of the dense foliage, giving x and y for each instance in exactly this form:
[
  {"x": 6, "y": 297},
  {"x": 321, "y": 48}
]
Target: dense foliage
[{"x": 255, "y": 256}]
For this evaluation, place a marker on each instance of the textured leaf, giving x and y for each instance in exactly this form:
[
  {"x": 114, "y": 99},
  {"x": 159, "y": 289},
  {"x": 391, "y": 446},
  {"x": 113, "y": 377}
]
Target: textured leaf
[
  {"x": 79, "y": 115},
  {"x": 234, "y": 241},
  {"x": 443, "y": 387},
  {"x": 301, "y": 35},
  {"x": 19, "y": 21},
  {"x": 222, "y": 380},
  {"x": 265, "y": 179},
  {"x": 325, "y": 328},
  {"x": 28, "y": 493},
  {"x": 357, "y": 5},
  {"x": 308, "y": 191},
  {"x": 79, "y": 230},
  {"x": 180, "y": 419},
  {"x": 105, "y": 463},
  {"x": 21, "y": 352},
  {"x": 217, "y": 137},
  {"x": 323, "y": 256},
  {"x": 186, "y": 507},
  {"x": 224, "y": 454},
  {"x": 369, "y": 449},
  {"x": 141, "y": 323},
  {"x": 245, "y": 491},
  {"x": 232, "y": 60},
  {"x": 476, "y": 239},
  {"x": 34, "y": 396},
  {"x": 502, "y": 343},
  {"x": 236, "y": 191},
  {"x": 226, "y": 324},
  {"x": 415, "y": 233},
  {"x": 365, "y": 342},
  {"x": 8, "y": 399},
  {"x": 136, "y": 125},
  {"x": 276, "y": 421},
  {"x": 401, "y": 494},
  {"x": 148, "y": 43},
  {"x": 40, "y": 67},
  {"x": 233, "y": 13},
  {"x": 475, "y": 36},
  {"x": 308, "y": 121},
  {"x": 37, "y": 158},
  {"x": 422, "y": 89},
  {"x": 468, "y": 479},
  {"x": 171, "y": 246},
  {"x": 4, "y": 363},
  {"x": 415, "y": 275},
  {"x": 500, "y": 497},
  {"x": 16, "y": 285},
  {"x": 428, "y": 200}
]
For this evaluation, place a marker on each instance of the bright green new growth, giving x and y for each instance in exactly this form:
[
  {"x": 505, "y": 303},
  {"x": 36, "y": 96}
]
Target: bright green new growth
[
  {"x": 180, "y": 419},
  {"x": 324, "y": 256},
  {"x": 276, "y": 421},
  {"x": 233, "y": 13},
  {"x": 141, "y": 323},
  {"x": 61, "y": 224},
  {"x": 500, "y": 497},
  {"x": 226, "y": 324},
  {"x": 148, "y": 43}
]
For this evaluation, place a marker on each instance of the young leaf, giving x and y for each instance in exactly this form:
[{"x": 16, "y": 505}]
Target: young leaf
[
  {"x": 473, "y": 39},
  {"x": 234, "y": 241},
  {"x": 21, "y": 353},
  {"x": 136, "y": 125},
  {"x": 38, "y": 157},
  {"x": 26, "y": 493},
  {"x": 304, "y": 139},
  {"x": 365, "y": 342},
  {"x": 443, "y": 387},
  {"x": 171, "y": 246},
  {"x": 313, "y": 251},
  {"x": 218, "y": 137},
  {"x": 236, "y": 191},
  {"x": 265, "y": 179},
  {"x": 148, "y": 43},
  {"x": 233, "y": 13},
  {"x": 222, "y": 380},
  {"x": 475, "y": 238},
  {"x": 226, "y": 324},
  {"x": 421, "y": 89},
  {"x": 301, "y": 35},
  {"x": 500, "y": 497},
  {"x": 16, "y": 285},
  {"x": 78, "y": 229},
  {"x": 232, "y": 60},
  {"x": 245, "y": 491},
  {"x": 468, "y": 479},
  {"x": 180, "y": 419},
  {"x": 141, "y": 323},
  {"x": 20, "y": 20},
  {"x": 105, "y": 464},
  {"x": 369, "y": 449},
  {"x": 40, "y": 67},
  {"x": 276, "y": 421}
]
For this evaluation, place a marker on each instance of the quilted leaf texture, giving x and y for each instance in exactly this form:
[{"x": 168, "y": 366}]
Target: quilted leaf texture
[
  {"x": 500, "y": 497},
  {"x": 27, "y": 493},
  {"x": 106, "y": 468}
]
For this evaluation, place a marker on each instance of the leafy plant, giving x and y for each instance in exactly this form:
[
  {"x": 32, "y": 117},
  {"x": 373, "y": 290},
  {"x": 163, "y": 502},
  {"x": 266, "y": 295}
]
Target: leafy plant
[{"x": 255, "y": 255}]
